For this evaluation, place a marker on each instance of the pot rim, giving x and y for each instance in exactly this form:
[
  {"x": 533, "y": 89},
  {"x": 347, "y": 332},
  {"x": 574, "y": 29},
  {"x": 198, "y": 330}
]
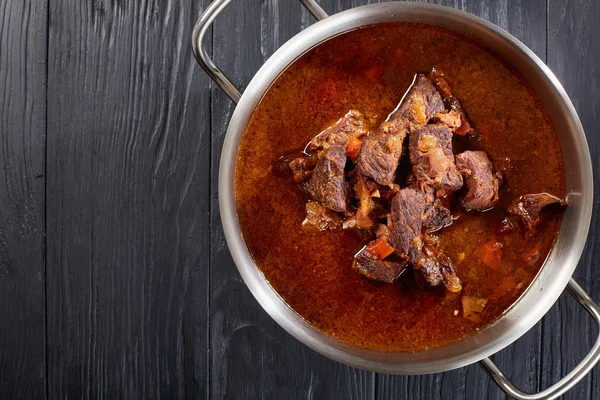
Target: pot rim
[{"x": 550, "y": 282}]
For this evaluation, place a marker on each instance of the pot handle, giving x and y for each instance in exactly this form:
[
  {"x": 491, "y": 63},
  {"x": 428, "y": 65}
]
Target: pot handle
[
  {"x": 572, "y": 377},
  {"x": 202, "y": 25}
]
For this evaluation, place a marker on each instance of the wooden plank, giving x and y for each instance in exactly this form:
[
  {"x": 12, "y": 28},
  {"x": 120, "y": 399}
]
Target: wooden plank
[
  {"x": 251, "y": 356},
  {"x": 573, "y": 53},
  {"x": 128, "y": 160},
  {"x": 23, "y": 27}
]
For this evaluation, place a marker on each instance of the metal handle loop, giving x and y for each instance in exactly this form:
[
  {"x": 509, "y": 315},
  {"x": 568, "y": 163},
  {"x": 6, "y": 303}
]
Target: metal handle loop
[
  {"x": 207, "y": 18},
  {"x": 315, "y": 9},
  {"x": 202, "y": 25},
  {"x": 569, "y": 380}
]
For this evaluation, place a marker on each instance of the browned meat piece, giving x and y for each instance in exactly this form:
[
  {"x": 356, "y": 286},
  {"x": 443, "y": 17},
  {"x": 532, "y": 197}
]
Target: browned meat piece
[
  {"x": 324, "y": 179},
  {"x": 420, "y": 103},
  {"x": 320, "y": 218},
  {"x": 376, "y": 269},
  {"x": 441, "y": 83},
  {"x": 351, "y": 125},
  {"x": 434, "y": 171},
  {"x": 405, "y": 223},
  {"x": 327, "y": 185},
  {"x": 302, "y": 167},
  {"x": 451, "y": 280},
  {"x": 482, "y": 180},
  {"x": 529, "y": 207},
  {"x": 430, "y": 148},
  {"x": 427, "y": 272},
  {"x": 437, "y": 214},
  {"x": 381, "y": 150},
  {"x": 434, "y": 268}
]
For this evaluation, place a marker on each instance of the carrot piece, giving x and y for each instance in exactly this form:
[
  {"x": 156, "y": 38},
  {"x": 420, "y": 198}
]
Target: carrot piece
[
  {"x": 491, "y": 254},
  {"x": 472, "y": 307},
  {"x": 353, "y": 148},
  {"x": 464, "y": 128},
  {"x": 380, "y": 247}
]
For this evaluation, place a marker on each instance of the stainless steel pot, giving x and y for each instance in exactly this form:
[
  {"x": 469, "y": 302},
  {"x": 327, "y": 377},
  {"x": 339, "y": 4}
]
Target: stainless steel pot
[{"x": 554, "y": 276}]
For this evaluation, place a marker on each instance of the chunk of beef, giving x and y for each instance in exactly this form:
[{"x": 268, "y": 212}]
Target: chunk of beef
[
  {"x": 302, "y": 167},
  {"x": 434, "y": 268},
  {"x": 451, "y": 280},
  {"x": 351, "y": 125},
  {"x": 436, "y": 216},
  {"x": 529, "y": 207},
  {"x": 482, "y": 180},
  {"x": 420, "y": 103},
  {"x": 320, "y": 218},
  {"x": 430, "y": 148},
  {"x": 437, "y": 213},
  {"x": 327, "y": 185},
  {"x": 442, "y": 84},
  {"x": 324, "y": 179},
  {"x": 405, "y": 223},
  {"x": 427, "y": 272},
  {"x": 381, "y": 150},
  {"x": 377, "y": 269},
  {"x": 434, "y": 171}
]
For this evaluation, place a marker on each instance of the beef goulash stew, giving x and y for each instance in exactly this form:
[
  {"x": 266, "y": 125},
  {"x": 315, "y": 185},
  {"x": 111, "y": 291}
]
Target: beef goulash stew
[{"x": 400, "y": 187}]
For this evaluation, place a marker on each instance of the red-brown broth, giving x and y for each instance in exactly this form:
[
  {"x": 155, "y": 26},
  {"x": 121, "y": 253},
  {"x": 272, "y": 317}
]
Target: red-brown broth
[{"x": 369, "y": 70}]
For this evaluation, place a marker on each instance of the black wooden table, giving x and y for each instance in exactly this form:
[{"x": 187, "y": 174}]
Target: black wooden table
[{"x": 115, "y": 279}]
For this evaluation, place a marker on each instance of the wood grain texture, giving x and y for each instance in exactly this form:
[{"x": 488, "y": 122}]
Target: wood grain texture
[
  {"x": 251, "y": 356},
  {"x": 127, "y": 201},
  {"x": 22, "y": 181},
  {"x": 573, "y": 54}
]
